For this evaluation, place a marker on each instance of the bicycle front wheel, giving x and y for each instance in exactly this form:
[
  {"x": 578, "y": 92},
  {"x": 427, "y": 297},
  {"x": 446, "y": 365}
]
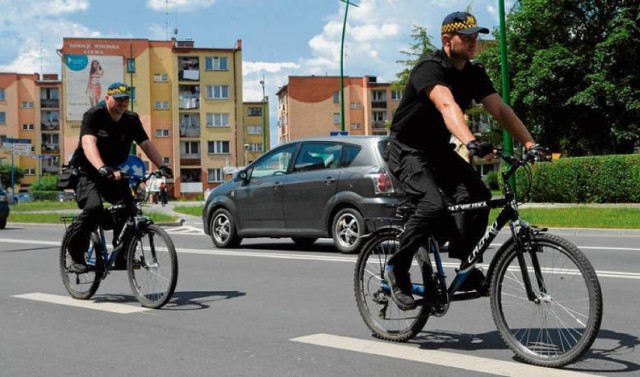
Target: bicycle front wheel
[
  {"x": 152, "y": 265},
  {"x": 379, "y": 312},
  {"x": 81, "y": 286},
  {"x": 561, "y": 323}
]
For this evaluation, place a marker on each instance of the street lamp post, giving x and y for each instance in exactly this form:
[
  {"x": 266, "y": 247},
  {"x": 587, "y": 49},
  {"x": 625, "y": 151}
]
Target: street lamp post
[
  {"x": 264, "y": 118},
  {"x": 344, "y": 27}
]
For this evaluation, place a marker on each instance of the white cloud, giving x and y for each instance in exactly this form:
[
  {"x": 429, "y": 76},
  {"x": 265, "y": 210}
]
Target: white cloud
[{"x": 183, "y": 5}]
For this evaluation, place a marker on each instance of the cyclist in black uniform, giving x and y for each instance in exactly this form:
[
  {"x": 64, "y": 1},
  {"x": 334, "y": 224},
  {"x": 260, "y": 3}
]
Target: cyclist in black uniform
[
  {"x": 106, "y": 134},
  {"x": 440, "y": 88}
]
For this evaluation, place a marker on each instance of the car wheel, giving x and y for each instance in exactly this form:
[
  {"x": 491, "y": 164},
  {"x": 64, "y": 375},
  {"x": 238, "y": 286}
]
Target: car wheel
[
  {"x": 223, "y": 229},
  {"x": 348, "y": 228},
  {"x": 303, "y": 242}
]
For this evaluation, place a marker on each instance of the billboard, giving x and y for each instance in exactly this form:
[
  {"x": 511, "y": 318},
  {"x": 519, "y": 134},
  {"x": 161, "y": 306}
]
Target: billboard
[{"x": 87, "y": 78}]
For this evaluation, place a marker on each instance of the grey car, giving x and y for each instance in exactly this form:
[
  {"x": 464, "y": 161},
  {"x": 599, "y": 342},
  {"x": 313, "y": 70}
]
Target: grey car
[
  {"x": 306, "y": 189},
  {"x": 4, "y": 208}
]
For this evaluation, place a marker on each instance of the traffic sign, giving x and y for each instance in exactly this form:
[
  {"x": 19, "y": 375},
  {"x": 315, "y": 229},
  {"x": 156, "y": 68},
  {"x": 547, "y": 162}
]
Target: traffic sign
[{"x": 339, "y": 133}]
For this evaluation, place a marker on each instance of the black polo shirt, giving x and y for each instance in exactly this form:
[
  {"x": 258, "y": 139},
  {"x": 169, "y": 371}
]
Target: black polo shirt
[
  {"x": 417, "y": 122},
  {"x": 114, "y": 138}
]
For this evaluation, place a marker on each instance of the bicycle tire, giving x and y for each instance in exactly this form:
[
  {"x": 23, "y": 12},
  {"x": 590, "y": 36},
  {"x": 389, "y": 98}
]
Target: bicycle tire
[
  {"x": 562, "y": 325},
  {"x": 81, "y": 286},
  {"x": 152, "y": 265},
  {"x": 377, "y": 309}
]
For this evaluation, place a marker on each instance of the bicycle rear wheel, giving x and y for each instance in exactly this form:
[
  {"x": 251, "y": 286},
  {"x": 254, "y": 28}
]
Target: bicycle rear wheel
[
  {"x": 375, "y": 305},
  {"x": 560, "y": 325},
  {"x": 81, "y": 286},
  {"x": 152, "y": 265}
]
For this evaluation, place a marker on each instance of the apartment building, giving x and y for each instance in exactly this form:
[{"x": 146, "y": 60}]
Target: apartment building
[
  {"x": 310, "y": 106},
  {"x": 256, "y": 131},
  {"x": 30, "y": 124},
  {"x": 189, "y": 100}
]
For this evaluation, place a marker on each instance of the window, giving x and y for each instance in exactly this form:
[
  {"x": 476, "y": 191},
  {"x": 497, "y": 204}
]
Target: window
[
  {"x": 162, "y": 132},
  {"x": 3, "y": 117},
  {"x": 166, "y": 160},
  {"x": 336, "y": 118},
  {"x": 160, "y": 77},
  {"x": 356, "y": 126},
  {"x": 355, "y": 105},
  {"x": 254, "y": 111},
  {"x": 216, "y": 63},
  {"x": 254, "y": 147},
  {"x": 161, "y": 105},
  {"x": 27, "y": 105},
  {"x": 396, "y": 95},
  {"x": 277, "y": 161},
  {"x": 217, "y": 91},
  {"x": 27, "y": 127},
  {"x": 318, "y": 156},
  {"x": 217, "y": 119},
  {"x": 379, "y": 116},
  {"x": 215, "y": 175},
  {"x": 336, "y": 97},
  {"x": 29, "y": 171},
  {"x": 254, "y": 130},
  {"x": 218, "y": 147},
  {"x": 378, "y": 95},
  {"x": 2, "y": 94},
  {"x": 191, "y": 148}
]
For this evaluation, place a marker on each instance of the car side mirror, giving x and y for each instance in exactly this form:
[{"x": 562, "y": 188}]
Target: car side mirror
[{"x": 242, "y": 175}]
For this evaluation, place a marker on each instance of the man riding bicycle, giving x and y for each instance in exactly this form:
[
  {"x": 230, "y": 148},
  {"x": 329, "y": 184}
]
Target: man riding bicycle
[
  {"x": 440, "y": 88},
  {"x": 106, "y": 134}
]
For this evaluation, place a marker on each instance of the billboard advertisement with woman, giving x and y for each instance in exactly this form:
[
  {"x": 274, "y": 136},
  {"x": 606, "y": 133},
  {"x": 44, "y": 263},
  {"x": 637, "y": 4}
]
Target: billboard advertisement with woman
[{"x": 87, "y": 78}]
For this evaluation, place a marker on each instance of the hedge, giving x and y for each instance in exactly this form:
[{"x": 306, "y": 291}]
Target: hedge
[{"x": 595, "y": 179}]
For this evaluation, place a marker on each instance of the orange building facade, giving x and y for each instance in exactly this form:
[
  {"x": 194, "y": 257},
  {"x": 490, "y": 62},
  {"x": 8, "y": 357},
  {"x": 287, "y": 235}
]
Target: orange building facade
[{"x": 310, "y": 106}]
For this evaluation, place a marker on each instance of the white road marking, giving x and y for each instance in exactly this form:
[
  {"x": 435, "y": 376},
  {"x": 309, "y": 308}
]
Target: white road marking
[
  {"x": 87, "y": 304},
  {"x": 446, "y": 359},
  {"x": 332, "y": 258},
  {"x": 184, "y": 229}
]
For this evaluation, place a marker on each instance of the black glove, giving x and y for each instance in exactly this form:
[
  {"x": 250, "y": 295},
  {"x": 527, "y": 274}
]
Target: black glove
[
  {"x": 479, "y": 149},
  {"x": 166, "y": 171},
  {"x": 106, "y": 171},
  {"x": 539, "y": 153}
]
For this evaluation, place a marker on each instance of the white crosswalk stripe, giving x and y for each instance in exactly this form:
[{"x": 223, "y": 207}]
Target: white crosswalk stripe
[{"x": 184, "y": 229}]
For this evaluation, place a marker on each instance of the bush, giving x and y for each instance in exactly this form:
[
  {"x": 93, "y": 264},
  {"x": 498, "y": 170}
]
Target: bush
[{"x": 594, "y": 179}]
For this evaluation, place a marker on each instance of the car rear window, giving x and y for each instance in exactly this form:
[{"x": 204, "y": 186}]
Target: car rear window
[{"x": 349, "y": 154}]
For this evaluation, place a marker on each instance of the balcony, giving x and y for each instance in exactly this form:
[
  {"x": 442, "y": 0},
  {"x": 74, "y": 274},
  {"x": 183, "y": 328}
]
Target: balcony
[
  {"x": 50, "y": 149},
  {"x": 188, "y": 102},
  {"x": 48, "y": 103},
  {"x": 189, "y": 68},
  {"x": 379, "y": 104},
  {"x": 50, "y": 125},
  {"x": 378, "y": 125}
]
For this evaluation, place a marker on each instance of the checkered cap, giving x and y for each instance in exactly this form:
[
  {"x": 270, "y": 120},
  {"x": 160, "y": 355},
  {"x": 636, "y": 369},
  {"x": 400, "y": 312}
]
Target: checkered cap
[
  {"x": 462, "y": 23},
  {"x": 119, "y": 90}
]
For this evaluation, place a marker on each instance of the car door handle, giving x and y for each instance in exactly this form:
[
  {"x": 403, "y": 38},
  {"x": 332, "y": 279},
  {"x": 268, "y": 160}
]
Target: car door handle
[
  {"x": 329, "y": 180},
  {"x": 277, "y": 185}
]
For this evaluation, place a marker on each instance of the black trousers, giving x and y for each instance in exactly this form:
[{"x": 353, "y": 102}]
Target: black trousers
[
  {"x": 432, "y": 180},
  {"x": 90, "y": 193}
]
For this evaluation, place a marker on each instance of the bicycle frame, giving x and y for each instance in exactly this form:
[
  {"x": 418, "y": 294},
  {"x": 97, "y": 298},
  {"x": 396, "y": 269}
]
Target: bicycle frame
[{"x": 508, "y": 214}]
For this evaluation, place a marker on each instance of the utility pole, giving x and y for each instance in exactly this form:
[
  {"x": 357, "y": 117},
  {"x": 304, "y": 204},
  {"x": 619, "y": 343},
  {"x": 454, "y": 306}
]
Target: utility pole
[
  {"x": 264, "y": 118},
  {"x": 507, "y": 142},
  {"x": 344, "y": 27}
]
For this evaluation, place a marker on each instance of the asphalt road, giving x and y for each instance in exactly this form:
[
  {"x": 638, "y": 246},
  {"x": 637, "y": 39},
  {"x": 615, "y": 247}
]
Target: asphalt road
[{"x": 270, "y": 309}]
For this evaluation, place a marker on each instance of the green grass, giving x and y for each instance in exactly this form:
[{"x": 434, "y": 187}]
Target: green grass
[
  {"x": 189, "y": 210},
  {"x": 30, "y": 212},
  {"x": 580, "y": 217},
  {"x": 566, "y": 217}
]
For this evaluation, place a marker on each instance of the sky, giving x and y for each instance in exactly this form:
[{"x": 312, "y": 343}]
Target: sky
[{"x": 280, "y": 38}]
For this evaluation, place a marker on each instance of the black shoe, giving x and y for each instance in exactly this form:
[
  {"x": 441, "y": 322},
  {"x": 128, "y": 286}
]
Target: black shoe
[
  {"x": 119, "y": 265},
  {"x": 474, "y": 282},
  {"x": 400, "y": 289}
]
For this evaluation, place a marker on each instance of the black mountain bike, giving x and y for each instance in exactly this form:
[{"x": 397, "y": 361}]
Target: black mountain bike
[
  {"x": 152, "y": 262},
  {"x": 545, "y": 296}
]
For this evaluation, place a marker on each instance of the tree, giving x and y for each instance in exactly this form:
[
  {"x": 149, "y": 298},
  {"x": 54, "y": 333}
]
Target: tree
[
  {"x": 574, "y": 74},
  {"x": 420, "y": 46},
  {"x": 5, "y": 175}
]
